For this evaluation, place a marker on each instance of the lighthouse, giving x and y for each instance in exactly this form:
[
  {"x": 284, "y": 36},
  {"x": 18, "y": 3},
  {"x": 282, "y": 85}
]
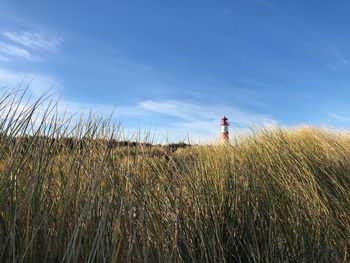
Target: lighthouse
[{"x": 224, "y": 129}]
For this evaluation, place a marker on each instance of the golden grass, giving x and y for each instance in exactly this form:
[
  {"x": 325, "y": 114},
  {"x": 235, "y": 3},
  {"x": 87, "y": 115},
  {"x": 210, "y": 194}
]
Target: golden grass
[{"x": 278, "y": 195}]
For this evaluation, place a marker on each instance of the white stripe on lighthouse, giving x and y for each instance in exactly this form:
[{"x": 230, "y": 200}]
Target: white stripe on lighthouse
[{"x": 224, "y": 128}]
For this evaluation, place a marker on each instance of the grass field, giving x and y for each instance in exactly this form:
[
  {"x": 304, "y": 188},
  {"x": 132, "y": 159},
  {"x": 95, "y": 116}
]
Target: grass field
[{"x": 69, "y": 192}]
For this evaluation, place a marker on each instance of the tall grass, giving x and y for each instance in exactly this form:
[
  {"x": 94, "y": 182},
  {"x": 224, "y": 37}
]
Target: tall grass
[{"x": 70, "y": 193}]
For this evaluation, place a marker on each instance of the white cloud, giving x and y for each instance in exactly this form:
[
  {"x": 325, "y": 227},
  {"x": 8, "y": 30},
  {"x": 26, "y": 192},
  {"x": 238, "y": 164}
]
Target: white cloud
[
  {"x": 39, "y": 83},
  {"x": 177, "y": 109},
  {"x": 15, "y": 51},
  {"x": 339, "y": 117},
  {"x": 196, "y": 112},
  {"x": 34, "y": 40}
]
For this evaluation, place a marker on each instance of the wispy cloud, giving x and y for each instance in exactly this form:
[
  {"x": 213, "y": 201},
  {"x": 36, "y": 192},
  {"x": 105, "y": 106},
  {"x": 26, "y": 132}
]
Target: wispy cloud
[
  {"x": 339, "y": 56},
  {"x": 26, "y": 45},
  {"x": 340, "y": 60},
  {"x": 34, "y": 40},
  {"x": 176, "y": 109},
  {"x": 15, "y": 51},
  {"x": 39, "y": 83},
  {"x": 339, "y": 117},
  {"x": 261, "y": 84},
  {"x": 195, "y": 112},
  {"x": 265, "y": 3}
]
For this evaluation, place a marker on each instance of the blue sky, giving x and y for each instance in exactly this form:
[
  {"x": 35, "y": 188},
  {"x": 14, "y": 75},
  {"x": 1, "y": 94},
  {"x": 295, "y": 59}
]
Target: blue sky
[{"x": 178, "y": 66}]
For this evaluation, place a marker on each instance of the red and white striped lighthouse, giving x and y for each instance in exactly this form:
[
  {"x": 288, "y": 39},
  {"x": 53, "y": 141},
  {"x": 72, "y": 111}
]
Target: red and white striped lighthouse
[{"x": 224, "y": 129}]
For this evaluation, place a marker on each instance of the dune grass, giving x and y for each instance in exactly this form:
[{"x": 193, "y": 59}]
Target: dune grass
[{"x": 70, "y": 193}]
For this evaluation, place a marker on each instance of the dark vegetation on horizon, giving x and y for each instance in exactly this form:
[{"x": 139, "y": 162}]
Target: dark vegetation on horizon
[
  {"x": 74, "y": 192},
  {"x": 71, "y": 143}
]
